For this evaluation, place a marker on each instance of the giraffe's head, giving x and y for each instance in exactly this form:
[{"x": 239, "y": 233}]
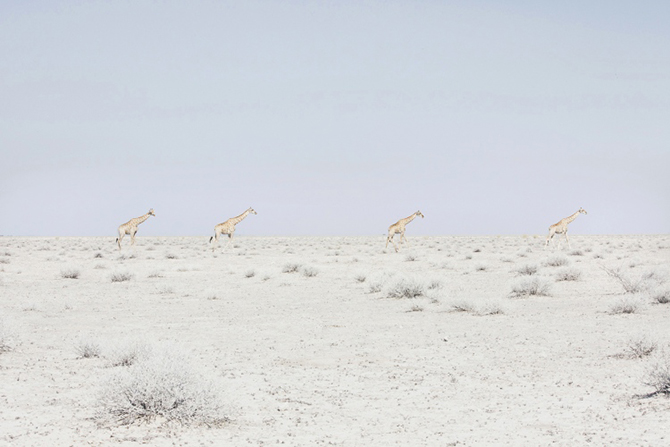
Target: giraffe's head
[
  {"x": 582, "y": 210},
  {"x": 252, "y": 211},
  {"x": 151, "y": 212},
  {"x": 418, "y": 213}
]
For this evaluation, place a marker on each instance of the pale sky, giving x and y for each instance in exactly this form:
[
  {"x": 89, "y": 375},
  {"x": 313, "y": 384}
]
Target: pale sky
[{"x": 334, "y": 117}]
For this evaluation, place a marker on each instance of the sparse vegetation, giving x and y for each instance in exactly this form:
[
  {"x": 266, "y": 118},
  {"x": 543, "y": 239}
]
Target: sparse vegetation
[
  {"x": 70, "y": 274},
  {"x": 568, "y": 274},
  {"x": 86, "y": 349},
  {"x": 310, "y": 271},
  {"x": 531, "y": 287},
  {"x": 527, "y": 270},
  {"x": 625, "y": 305},
  {"x": 291, "y": 267},
  {"x": 121, "y": 277},
  {"x": 164, "y": 385},
  {"x": 640, "y": 347},
  {"x": 249, "y": 273},
  {"x": 556, "y": 261},
  {"x": 661, "y": 296},
  {"x": 658, "y": 375},
  {"x": 647, "y": 281},
  {"x": 7, "y": 339}
]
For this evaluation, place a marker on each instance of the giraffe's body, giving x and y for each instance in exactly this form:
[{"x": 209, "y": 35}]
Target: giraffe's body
[
  {"x": 130, "y": 228},
  {"x": 228, "y": 227},
  {"x": 399, "y": 228},
  {"x": 561, "y": 227}
]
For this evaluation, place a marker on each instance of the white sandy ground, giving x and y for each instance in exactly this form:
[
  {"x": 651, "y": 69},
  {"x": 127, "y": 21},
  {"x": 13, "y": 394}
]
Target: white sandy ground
[{"x": 321, "y": 360}]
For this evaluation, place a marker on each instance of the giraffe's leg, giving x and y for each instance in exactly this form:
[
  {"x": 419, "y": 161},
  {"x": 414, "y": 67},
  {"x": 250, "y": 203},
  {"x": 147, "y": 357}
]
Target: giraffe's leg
[
  {"x": 568, "y": 240},
  {"x": 394, "y": 244},
  {"x": 119, "y": 239},
  {"x": 132, "y": 237},
  {"x": 230, "y": 239},
  {"x": 388, "y": 238},
  {"x": 402, "y": 236}
]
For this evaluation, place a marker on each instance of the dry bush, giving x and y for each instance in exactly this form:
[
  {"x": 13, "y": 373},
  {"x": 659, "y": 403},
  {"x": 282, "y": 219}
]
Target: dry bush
[
  {"x": 291, "y": 267},
  {"x": 647, "y": 281},
  {"x": 86, "y": 349},
  {"x": 489, "y": 307},
  {"x": 481, "y": 267},
  {"x": 166, "y": 386},
  {"x": 249, "y": 273},
  {"x": 660, "y": 296},
  {"x": 640, "y": 347},
  {"x": 626, "y": 305},
  {"x": 576, "y": 253},
  {"x": 527, "y": 270},
  {"x": 7, "y": 338},
  {"x": 556, "y": 261},
  {"x": 658, "y": 375},
  {"x": 70, "y": 274},
  {"x": 127, "y": 353},
  {"x": 406, "y": 288},
  {"x": 410, "y": 258},
  {"x": 310, "y": 271},
  {"x": 121, "y": 276},
  {"x": 360, "y": 277},
  {"x": 531, "y": 287},
  {"x": 568, "y": 274}
]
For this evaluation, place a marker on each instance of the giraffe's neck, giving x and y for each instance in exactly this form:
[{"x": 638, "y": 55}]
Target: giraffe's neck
[
  {"x": 571, "y": 218},
  {"x": 139, "y": 220},
  {"x": 407, "y": 220},
  {"x": 240, "y": 218}
]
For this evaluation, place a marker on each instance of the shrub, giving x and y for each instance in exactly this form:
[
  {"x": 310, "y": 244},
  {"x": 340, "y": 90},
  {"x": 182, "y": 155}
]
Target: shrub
[
  {"x": 481, "y": 267},
  {"x": 309, "y": 271},
  {"x": 127, "y": 354},
  {"x": 556, "y": 261},
  {"x": 410, "y": 258},
  {"x": 250, "y": 274},
  {"x": 625, "y": 305},
  {"x": 576, "y": 253},
  {"x": 527, "y": 270},
  {"x": 69, "y": 274},
  {"x": 646, "y": 281},
  {"x": 658, "y": 375},
  {"x": 640, "y": 347},
  {"x": 165, "y": 385},
  {"x": 406, "y": 288},
  {"x": 661, "y": 296},
  {"x": 170, "y": 256},
  {"x": 531, "y": 287},
  {"x": 87, "y": 350},
  {"x": 291, "y": 268},
  {"x": 121, "y": 276},
  {"x": 7, "y": 338},
  {"x": 360, "y": 277},
  {"x": 568, "y": 274}
]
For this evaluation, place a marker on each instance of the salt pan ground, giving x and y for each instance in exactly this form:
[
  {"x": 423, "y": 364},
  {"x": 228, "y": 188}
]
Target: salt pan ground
[{"x": 335, "y": 341}]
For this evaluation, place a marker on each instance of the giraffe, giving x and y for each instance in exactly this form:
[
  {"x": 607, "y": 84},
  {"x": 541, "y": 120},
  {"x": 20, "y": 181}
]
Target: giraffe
[
  {"x": 561, "y": 227},
  {"x": 130, "y": 228},
  {"x": 228, "y": 227},
  {"x": 399, "y": 228}
]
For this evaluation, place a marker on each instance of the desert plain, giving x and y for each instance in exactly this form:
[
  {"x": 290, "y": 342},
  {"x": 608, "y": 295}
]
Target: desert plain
[{"x": 304, "y": 341}]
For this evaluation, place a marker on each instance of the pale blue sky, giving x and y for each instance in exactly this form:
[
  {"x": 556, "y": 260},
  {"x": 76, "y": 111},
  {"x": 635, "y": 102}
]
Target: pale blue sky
[{"x": 334, "y": 118}]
